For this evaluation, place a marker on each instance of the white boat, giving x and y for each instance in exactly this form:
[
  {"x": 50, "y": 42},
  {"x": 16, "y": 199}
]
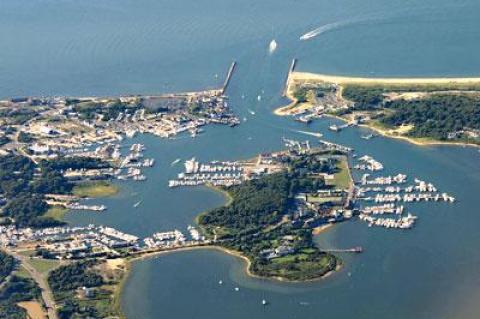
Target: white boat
[
  {"x": 220, "y": 282},
  {"x": 272, "y": 46},
  {"x": 175, "y": 161},
  {"x": 264, "y": 302},
  {"x": 259, "y": 98},
  {"x": 237, "y": 289},
  {"x": 251, "y": 112},
  {"x": 137, "y": 204}
]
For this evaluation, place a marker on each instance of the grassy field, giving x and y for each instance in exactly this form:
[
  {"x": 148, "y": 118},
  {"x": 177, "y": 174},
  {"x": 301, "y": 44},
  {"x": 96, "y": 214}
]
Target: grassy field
[
  {"x": 95, "y": 189},
  {"x": 43, "y": 265},
  {"x": 56, "y": 212},
  {"x": 342, "y": 178},
  {"x": 22, "y": 272}
]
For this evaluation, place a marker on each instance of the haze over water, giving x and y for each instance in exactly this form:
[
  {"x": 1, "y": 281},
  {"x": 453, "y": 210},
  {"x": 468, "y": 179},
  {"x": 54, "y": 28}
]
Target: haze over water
[{"x": 69, "y": 47}]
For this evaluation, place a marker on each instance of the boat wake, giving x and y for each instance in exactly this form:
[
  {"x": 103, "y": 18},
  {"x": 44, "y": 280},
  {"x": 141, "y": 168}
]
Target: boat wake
[
  {"x": 272, "y": 47},
  {"x": 333, "y": 26},
  {"x": 315, "y": 134}
]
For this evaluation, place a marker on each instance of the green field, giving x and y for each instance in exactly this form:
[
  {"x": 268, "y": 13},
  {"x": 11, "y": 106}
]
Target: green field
[
  {"x": 342, "y": 178},
  {"x": 56, "y": 212},
  {"x": 323, "y": 200},
  {"x": 43, "y": 265},
  {"x": 95, "y": 189}
]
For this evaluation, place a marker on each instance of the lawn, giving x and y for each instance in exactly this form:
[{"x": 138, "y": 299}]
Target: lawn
[
  {"x": 95, "y": 189},
  {"x": 342, "y": 178},
  {"x": 43, "y": 265},
  {"x": 56, "y": 212}
]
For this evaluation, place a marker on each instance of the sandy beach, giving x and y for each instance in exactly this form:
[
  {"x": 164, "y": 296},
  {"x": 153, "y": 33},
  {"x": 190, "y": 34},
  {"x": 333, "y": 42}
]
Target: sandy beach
[{"x": 305, "y": 76}]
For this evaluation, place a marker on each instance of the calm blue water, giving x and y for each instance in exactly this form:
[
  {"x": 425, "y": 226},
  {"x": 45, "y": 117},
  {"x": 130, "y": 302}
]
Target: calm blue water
[{"x": 107, "y": 47}]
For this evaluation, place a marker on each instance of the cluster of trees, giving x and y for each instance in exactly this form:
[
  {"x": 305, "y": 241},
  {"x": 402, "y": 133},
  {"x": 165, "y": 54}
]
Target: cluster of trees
[
  {"x": 303, "y": 93},
  {"x": 15, "y": 290},
  {"x": 259, "y": 202},
  {"x": 66, "y": 279},
  {"x": 73, "y": 276},
  {"x": 64, "y": 163},
  {"x": 24, "y": 137},
  {"x": 89, "y": 110},
  {"x": 254, "y": 203},
  {"x": 72, "y": 309},
  {"x": 364, "y": 97},
  {"x": 435, "y": 116},
  {"x": 7, "y": 265},
  {"x": 24, "y": 184},
  {"x": 4, "y": 140},
  {"x": 17, "y": 116}
]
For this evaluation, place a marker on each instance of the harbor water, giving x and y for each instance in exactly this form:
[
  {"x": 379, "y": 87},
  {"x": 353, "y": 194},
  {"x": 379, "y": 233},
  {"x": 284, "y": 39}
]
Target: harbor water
[{"x": 111, "y": 47}]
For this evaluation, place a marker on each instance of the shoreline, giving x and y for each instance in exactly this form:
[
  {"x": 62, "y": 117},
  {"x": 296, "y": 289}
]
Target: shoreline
[
  {"x": 412, "y": 140},
  {"x": 286, "y": 110},
  {"x": 246, "y": 268},
  {"x": 305, "y": 76}
]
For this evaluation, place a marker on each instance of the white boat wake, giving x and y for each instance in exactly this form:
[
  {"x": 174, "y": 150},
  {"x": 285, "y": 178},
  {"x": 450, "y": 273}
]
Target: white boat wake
[
  {"x": 335, "y": 25},
  {"x": 272, "y": 47},
  {"x": 315, "y": 134}
]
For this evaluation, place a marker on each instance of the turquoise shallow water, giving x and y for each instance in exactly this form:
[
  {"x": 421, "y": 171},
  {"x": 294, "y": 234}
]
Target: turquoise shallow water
[{"x": 118, "y": 47}]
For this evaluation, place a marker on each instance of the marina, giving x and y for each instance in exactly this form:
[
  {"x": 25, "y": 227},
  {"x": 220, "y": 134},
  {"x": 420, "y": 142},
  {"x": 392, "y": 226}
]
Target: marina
[{"x": 438, "y": 285}]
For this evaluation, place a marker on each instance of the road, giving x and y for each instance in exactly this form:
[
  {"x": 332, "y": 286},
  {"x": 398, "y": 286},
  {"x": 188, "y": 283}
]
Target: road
[{"x": 47, "y": 295}]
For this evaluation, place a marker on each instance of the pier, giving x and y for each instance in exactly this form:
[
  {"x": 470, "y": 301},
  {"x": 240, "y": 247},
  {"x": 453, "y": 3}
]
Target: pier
[
  {"x": 229, "y": 76},
  {"x": 357, "y": 249},
  {"x": 287, "y": 80}
]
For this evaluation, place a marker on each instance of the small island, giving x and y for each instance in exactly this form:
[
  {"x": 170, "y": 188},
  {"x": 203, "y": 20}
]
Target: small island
[{"x": 420, "y": 110}]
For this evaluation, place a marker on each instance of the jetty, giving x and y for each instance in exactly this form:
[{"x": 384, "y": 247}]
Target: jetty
[
  {"x": 357, "y": 249},
  {"x": 229, "y": 76},
  {"x": 287, "y": 80}
]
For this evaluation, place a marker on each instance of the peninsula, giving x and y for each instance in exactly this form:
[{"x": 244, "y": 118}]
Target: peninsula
[{"x": 420, "y": 110}]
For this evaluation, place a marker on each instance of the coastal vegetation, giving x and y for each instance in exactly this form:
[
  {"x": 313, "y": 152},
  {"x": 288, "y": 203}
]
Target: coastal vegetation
[
  {"x": 433, "y": 110},
  {"x": 262, "y": 221},
  {"x": 85, "y": 289},
  {"x": 24, "y": 185},
  {"x": 442, "y": 116},
  {"x": 88, "y": 110}
]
